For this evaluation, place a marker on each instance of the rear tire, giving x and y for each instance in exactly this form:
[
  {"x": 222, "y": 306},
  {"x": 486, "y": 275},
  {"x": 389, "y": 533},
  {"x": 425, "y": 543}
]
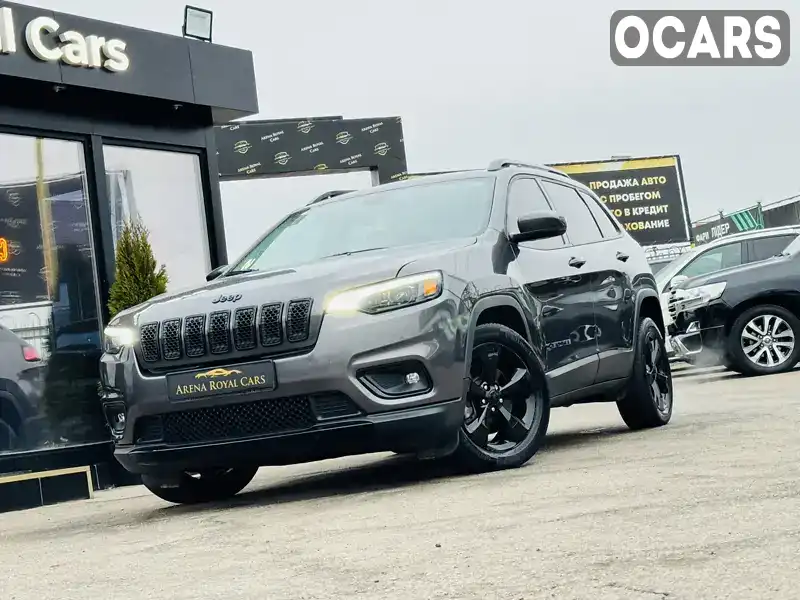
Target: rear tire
[
  {"x": 505, "y": 420},
  {"x": 208, "y": 487},
  {"x": 648, "y": 399},
  {"x": 744, "y": 345}
]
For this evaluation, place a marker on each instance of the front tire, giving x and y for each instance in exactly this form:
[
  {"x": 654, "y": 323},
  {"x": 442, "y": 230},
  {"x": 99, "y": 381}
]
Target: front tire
[
  {"x": 762, "y": 341},
  {"x": 506, "y": 411},
  {"x": 213, "y": 486},
  {"x": 648, "y": 399}
]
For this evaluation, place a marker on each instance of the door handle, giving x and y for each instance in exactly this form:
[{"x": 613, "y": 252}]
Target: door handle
[
  {"x": 577, "y": 262},
  {"x": 622, "y": 256},
  {"x": 549, "y": 311}
]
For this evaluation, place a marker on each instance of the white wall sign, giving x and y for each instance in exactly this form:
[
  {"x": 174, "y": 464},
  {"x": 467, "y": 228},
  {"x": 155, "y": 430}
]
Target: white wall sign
[{"x": 74, "y": 48}]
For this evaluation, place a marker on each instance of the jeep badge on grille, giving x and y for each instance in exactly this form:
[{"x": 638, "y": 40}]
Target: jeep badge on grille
[{"x": 224, "y": 298}]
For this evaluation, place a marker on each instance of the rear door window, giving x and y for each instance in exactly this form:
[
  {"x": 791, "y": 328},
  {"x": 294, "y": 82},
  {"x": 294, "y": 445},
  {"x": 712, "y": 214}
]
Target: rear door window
[
  {"x": 581, "y": 226},
  {"x": 764, "y": 248},
  {"x": 608, "y": 225}
]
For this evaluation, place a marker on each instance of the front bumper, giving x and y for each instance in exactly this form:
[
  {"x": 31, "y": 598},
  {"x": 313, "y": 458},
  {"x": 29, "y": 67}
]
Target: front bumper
[
  {"x": 411, "y": 430},
  {"x": 697, "y": 332},
  {"x": 347, "y": 347}
]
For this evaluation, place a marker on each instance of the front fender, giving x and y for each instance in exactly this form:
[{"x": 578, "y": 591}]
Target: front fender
[
  {"x": 470, "y": 313},
  {"x": 642, "y": 295}
]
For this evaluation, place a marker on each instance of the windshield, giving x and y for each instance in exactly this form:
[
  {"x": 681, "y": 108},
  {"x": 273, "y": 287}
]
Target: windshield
[{"x": 383, "y": 219}]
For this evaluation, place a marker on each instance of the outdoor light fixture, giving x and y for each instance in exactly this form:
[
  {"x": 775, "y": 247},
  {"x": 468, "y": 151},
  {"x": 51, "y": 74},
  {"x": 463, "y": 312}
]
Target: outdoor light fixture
[{"x": 197, "y": 23}]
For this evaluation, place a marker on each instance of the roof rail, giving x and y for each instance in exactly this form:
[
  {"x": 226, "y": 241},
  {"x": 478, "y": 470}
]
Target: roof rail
[
  {"x": 328, "y": 195},
  {"x": 504, "y": 163}
]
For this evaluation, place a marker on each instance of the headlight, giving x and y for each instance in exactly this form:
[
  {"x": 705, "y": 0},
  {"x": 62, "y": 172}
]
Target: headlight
[
  {"x": 387, "y": 295},
  {"x": 701, "y": 295},
  {"x": 116, "y": 338}
]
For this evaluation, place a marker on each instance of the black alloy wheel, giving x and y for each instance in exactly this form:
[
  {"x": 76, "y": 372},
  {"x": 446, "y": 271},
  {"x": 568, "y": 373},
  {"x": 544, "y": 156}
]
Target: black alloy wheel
[
  {"x": 648, "y": 398},
  {"x": 659, "y": 378},
  {"x": 506, "y": 411}
]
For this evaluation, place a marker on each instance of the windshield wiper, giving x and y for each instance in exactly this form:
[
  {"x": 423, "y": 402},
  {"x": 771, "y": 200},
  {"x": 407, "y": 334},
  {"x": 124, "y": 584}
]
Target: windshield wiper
[
  {"x": 240, "y": 272},
  {"x": 349, "y": 252}
]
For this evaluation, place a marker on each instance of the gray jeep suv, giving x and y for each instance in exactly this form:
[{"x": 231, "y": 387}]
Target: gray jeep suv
[{"x": 441, "y": 316}]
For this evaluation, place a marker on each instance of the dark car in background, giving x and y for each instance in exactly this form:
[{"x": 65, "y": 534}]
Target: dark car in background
[
  {"x": 724, "y": 253},
  {"x": 21, "y": 388},
  {"x": 746, "y": 317}
]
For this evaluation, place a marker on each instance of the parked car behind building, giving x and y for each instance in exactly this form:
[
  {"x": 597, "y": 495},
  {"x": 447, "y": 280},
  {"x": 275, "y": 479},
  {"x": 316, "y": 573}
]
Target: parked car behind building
[{"x": 21, "y": 384}]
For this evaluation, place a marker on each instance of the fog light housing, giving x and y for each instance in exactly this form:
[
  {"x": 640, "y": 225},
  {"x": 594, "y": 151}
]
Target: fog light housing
[
  {"x": 397, "y": 380},
  {"x": 116, "y": 417}
]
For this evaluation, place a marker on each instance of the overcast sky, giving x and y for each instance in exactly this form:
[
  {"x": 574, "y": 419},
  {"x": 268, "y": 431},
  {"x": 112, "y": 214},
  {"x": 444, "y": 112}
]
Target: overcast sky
[{"x": 475, "y": 80}]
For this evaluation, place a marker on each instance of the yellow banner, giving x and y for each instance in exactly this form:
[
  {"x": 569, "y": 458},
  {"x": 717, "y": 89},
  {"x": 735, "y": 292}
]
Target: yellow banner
[{"x": 623, "y": 165}]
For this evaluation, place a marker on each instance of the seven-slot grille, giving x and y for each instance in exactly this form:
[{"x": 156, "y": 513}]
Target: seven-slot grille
[{"x": 225, "y": 331}]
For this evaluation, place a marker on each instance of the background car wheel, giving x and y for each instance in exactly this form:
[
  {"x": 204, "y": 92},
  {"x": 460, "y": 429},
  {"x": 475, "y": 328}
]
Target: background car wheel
[
  {"x": 648, "y": 399},
  {"x": 763, "y": 340},
  {"x": 9, "y": 440},
  {"x": 195, "y": 488},
  {"x": 506, "y": 412}
]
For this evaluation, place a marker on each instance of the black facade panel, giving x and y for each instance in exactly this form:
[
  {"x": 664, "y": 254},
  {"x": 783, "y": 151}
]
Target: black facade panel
[
  {"x": 170, "y": 96},
  {"x": 159, "y": 64},
  {"x": 82, "y": 111},
  {"x": 163, "y": 68},
  {"x": 788, "y": 214},
  {"x": 22, "y": 63},
  {"x": 229, "y": 91}
]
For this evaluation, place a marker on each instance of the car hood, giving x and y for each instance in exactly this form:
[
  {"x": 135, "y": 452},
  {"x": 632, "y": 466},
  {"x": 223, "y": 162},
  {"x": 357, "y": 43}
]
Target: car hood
[{"x": 313, "y": 280}]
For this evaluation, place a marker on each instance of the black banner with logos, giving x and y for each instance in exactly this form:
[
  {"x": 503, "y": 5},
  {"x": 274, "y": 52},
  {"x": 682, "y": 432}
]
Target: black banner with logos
[
  {"x": 23, "y": 276},
  {"x": 646, "y": 195},
  {"x": 749, "y": 219},
  {"x": 256, "y": 149}
]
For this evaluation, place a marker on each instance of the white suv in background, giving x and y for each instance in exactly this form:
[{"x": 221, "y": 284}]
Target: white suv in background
[{"x": 730, "y": 251}]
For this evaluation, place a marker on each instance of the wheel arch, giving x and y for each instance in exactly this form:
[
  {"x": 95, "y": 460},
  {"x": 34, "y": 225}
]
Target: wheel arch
[
  {"x": 503, "y": 309},
  {"x": 497, "y": 306},
  {"x": 648, "y": 304}
]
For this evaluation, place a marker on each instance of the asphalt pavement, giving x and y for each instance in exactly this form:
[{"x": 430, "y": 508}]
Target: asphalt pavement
[{"x": 705, "y": 508}]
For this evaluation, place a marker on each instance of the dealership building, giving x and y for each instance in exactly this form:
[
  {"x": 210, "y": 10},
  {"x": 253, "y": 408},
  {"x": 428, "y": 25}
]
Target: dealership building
[{"x": 99, "y": 123}]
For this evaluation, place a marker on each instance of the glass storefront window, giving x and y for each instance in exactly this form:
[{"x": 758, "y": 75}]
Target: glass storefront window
[
  {"x": 164, "y": 191},
  {"x": 49, "y": 327}
]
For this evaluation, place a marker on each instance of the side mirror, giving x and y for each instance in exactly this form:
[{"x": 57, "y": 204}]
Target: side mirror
[
  {"x": 676, "y": 281},
  {"x": 216, "y": 272},
  {"x": 539, "y": 226}
]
